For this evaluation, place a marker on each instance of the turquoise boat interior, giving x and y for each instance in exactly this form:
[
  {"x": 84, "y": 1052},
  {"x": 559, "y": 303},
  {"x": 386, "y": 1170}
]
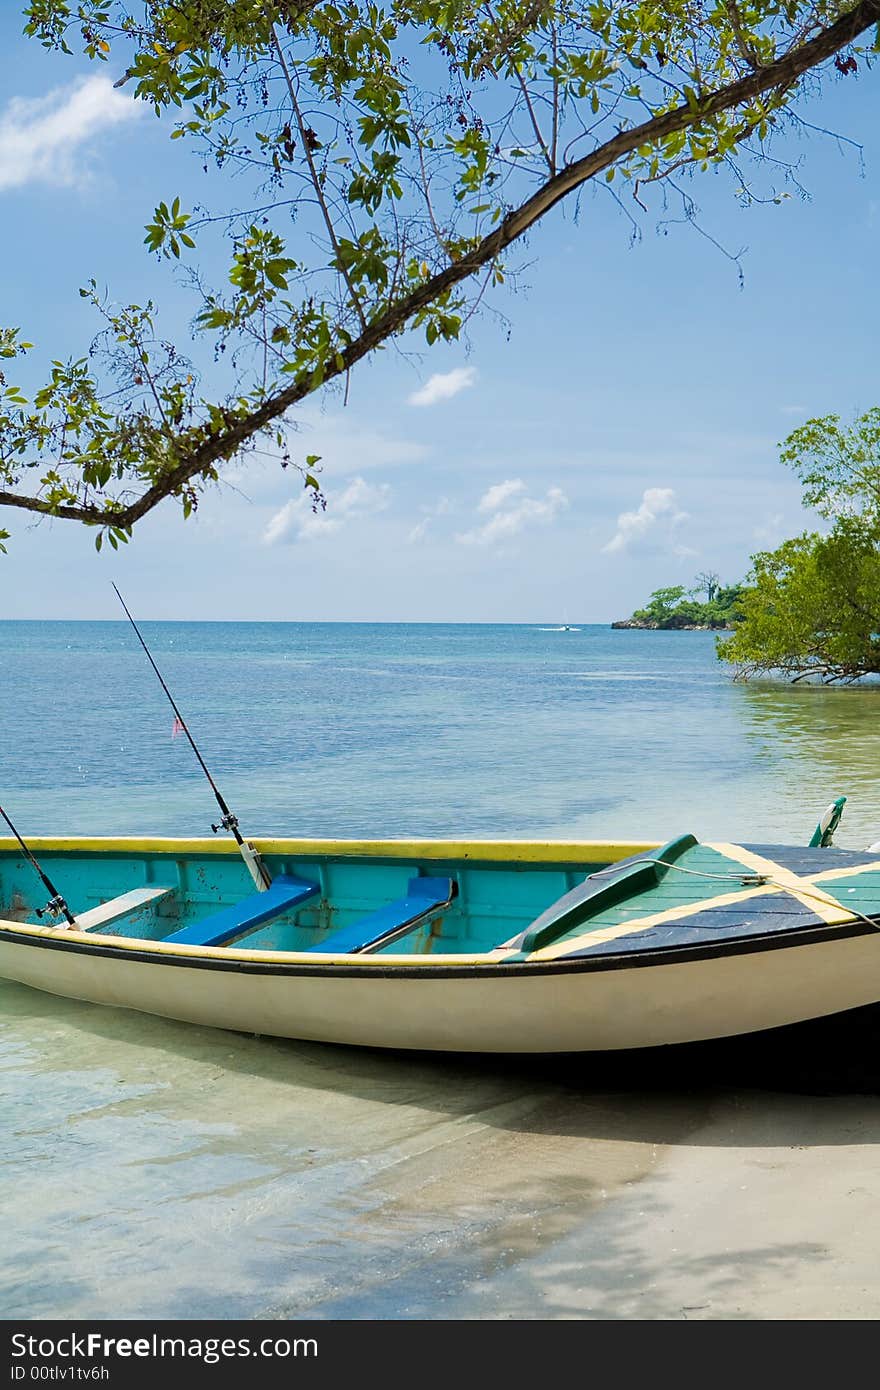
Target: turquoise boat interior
[
  {"x": 334, "y": 898},
  {"x": 515, "y": 902}
]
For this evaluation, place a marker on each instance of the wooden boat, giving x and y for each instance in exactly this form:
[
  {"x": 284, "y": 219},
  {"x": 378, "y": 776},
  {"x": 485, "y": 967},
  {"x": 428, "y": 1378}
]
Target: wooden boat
[{"x": 472, "y": 946}]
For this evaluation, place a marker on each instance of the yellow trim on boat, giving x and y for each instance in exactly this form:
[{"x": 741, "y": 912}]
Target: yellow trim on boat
[
  {"x": 850, "y": 871},
  {"x": 313, "y": 958},
  {"x": 503, "y": 851},
  {"x": 669, "y": 914},
  {"x": 817, "y": 901}
]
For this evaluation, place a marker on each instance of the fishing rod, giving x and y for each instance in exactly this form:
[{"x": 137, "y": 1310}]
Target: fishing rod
[
  {"x": 256, "y": 868},
  {"x": 56, "y": 906}
]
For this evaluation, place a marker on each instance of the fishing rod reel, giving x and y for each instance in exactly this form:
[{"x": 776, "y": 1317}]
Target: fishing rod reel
[
  {"x": 55, "y": 907},
  {"x": 255, "y": 866}
]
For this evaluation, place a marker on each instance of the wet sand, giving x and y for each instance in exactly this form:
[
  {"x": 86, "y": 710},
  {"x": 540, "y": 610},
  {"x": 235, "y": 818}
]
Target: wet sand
[{"x": 157, "y": 1170}]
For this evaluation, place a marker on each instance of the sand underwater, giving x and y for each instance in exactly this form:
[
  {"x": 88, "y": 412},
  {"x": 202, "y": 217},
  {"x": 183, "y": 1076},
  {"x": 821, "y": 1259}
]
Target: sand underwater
[{"x": 168, "y": 1171}]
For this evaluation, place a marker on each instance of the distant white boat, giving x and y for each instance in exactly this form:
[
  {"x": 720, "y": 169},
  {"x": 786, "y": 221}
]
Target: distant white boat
[{"x": 563, "y": 627}]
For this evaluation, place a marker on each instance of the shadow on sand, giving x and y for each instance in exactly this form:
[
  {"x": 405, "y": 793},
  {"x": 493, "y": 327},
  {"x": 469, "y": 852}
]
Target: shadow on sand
[
  {"x": 838, "y": 1056},
  {"x": 346, "y": 1183}
]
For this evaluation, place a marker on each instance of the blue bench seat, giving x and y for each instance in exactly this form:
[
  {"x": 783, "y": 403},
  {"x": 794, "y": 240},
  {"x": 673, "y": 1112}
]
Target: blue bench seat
[
  {"x": 284, "y": 893},
  {"x": 386, "y": 924}
]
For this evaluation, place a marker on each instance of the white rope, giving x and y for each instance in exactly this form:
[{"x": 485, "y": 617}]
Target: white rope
[
  {"x": 756, "y": 880},
  {"x": 696, "y": 873},
  {"x": 853, "y": 911}
]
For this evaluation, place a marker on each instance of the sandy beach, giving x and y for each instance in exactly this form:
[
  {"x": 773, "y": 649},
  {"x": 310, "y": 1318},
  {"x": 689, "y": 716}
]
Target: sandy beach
[{"x": 167, "y": 1171}]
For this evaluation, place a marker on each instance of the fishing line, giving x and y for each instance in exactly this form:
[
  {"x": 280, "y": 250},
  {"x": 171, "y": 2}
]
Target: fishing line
[
  {"x": 258, "y": 871},
  {"x": 56, "y": 906}
]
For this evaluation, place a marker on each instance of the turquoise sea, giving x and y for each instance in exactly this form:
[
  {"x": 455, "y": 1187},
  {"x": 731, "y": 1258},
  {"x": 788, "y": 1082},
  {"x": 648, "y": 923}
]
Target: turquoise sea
[
  {"x": 396, "y": 730},
  {"x": 161, "y": 1170}
]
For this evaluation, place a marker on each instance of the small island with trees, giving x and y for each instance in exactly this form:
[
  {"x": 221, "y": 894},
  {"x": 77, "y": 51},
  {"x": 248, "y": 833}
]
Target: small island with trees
[
  {"x": 810, "y": 609},
  {"x": 686, "y": 610}
]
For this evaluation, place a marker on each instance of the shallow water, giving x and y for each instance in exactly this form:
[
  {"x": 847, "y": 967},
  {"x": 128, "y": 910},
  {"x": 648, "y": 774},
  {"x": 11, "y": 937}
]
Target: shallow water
[
  {"x": 169, "y": 1171},
  {"x": 359, "y": 729},
  {"x": 166, "y": 1171}
]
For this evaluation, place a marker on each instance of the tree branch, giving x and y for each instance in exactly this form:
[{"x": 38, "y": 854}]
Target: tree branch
[
  {"x": 224, "y": 443},
  {"x": 316, "y": 182}
]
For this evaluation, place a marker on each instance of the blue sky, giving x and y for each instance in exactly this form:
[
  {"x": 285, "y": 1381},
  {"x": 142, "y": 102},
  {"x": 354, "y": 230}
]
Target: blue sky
[{"x": 618, "y": 434}]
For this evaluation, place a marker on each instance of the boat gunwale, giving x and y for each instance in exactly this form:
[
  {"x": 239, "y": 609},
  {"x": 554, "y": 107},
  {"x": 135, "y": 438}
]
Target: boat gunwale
[
  {"x": 495, "y": 962},
  {"x": 291, "y": 963},
  {"x": 474, "y": 850}
]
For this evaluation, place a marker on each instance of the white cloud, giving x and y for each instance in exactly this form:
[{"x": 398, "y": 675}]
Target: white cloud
[
  {"x": 296, "y": 521},
  {"x": 39, "y": 137},
  {"x": 658, "y": 503},
  {"x": 419, "y": 531},
  {"x": 442, "y": 507},
  {"x": 361, "y": 498},
  {"x": 495, "y": 498},
  {"x": 442, "y": 386},
  {"x": 281, "y": 523},
  {"x": 512, "y": 511}
]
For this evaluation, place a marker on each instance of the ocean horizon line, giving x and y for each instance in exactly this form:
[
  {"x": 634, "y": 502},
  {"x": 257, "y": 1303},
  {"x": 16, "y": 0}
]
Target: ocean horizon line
[{"x": 342, "y": 622}]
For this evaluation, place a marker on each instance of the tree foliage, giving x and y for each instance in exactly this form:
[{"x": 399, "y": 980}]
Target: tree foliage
[
  {"x": 677, "y": 607},
  {"x": 387, "y": 157},
  {"x": 813, "y": 605}
]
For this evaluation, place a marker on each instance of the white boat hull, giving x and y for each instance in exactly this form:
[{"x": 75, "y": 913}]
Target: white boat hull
[{"x": 451, "y": 1006}]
